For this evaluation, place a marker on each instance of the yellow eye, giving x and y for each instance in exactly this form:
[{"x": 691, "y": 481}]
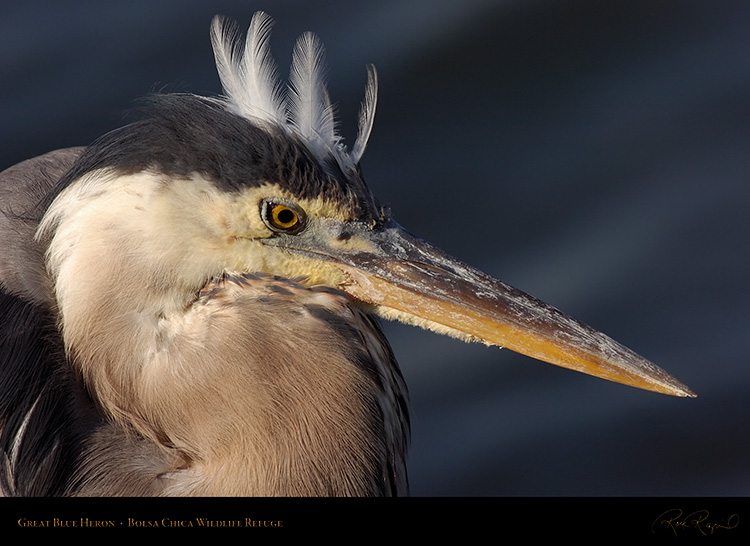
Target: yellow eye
[{"x": 281, "y": 217}]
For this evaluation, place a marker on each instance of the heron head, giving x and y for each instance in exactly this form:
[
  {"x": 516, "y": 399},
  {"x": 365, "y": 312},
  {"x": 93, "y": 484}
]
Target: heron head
[{"x": 260, "y": 181}]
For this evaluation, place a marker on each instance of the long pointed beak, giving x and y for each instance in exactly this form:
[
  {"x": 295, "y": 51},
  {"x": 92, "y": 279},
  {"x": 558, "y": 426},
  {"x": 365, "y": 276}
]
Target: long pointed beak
[{"x": 392, "y": 269}]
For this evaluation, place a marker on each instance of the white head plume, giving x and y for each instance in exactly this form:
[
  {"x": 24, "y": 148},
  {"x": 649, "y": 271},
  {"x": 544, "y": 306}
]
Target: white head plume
[{"x": 249, "y": 77}]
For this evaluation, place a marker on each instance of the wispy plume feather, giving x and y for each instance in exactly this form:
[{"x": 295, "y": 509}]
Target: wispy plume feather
[
  {"x": 366, "y": 115},
  {"x": 310, "y": 110},
  {"x": 250, "y": 80},
  {"x": 249, "y": 77}
]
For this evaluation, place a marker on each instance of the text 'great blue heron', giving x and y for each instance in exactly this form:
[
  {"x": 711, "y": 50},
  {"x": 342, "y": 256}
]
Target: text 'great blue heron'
[{"x": 188, "y": 304}]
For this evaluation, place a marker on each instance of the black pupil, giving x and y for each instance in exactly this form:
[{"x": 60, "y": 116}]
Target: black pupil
[{"x": 286, "y": 217}]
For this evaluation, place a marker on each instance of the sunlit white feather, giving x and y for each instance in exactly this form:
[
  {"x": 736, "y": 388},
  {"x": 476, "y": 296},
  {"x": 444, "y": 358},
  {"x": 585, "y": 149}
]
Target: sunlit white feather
[{"x": 250, "y": 80}]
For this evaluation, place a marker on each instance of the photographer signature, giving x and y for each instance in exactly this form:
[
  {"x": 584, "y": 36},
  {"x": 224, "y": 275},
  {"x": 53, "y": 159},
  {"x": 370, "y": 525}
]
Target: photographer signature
[{"x": 698, "y": 520}]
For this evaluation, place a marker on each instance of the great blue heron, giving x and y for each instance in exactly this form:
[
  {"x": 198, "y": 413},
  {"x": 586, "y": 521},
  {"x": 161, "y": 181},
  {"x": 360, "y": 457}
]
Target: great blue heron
[{"x": 188, "y": 304}]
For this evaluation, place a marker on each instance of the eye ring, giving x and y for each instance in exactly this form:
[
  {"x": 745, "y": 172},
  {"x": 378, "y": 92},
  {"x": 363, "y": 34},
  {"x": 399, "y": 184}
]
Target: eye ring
[{"x": 282, "y": 216}]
